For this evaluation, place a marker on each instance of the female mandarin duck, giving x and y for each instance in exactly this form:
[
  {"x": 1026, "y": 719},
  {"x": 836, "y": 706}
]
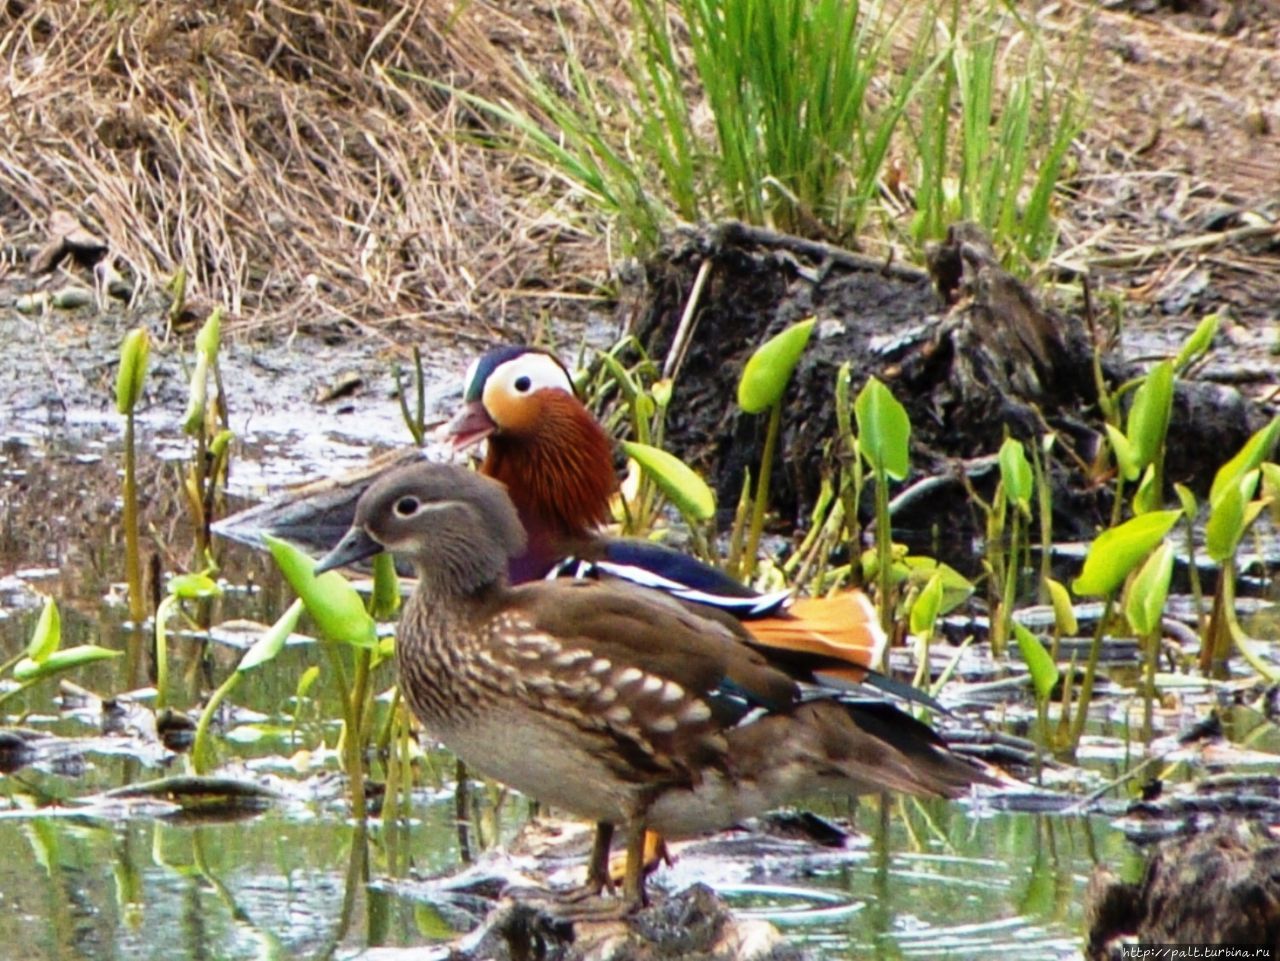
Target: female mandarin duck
[
  {"x": 557, "y": 464},
  {"x": 608, "y": 700}
]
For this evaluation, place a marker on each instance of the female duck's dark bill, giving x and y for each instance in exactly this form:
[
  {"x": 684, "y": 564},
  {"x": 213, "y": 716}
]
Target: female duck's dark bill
[{"x": 355, "y": 546}]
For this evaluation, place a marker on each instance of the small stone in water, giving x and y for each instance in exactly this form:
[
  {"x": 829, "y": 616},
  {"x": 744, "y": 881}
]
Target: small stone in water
[
  {"x": 31, "y": 303},
  {"x": 69, "y": 298}
]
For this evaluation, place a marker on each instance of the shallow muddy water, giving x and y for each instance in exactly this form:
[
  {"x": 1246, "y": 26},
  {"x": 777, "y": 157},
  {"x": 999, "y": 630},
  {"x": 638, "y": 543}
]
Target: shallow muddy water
[
  {"x": 281, "y": 886},
  {"x": 298, "y": 880}
]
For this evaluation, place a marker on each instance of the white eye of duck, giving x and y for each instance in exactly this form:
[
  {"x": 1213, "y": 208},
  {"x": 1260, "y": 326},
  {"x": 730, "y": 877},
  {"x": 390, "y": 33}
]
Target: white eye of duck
[
  {"x": 407, "y": 506},
  {"x": 523, "y": 383}
]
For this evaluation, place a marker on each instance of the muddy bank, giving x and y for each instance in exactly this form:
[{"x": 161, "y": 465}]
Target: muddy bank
[
  {"x": 969, "y": 351},
  {"x": 300, "y": 408}
]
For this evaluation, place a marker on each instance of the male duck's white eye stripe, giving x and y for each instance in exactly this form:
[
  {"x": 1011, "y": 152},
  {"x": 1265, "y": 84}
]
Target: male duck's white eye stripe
[{"x": 542, "y": 371}]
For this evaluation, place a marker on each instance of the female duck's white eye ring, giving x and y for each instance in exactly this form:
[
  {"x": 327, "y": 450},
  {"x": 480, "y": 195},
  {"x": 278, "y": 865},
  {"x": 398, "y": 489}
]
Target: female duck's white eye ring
[{"x": 407, "y": 506}]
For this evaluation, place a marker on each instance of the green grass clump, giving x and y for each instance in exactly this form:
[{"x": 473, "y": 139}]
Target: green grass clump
[
  {"x": 805, "y": 115},
  {"x": 799, "y": 142},
  {"x": 992, "y": 138}
]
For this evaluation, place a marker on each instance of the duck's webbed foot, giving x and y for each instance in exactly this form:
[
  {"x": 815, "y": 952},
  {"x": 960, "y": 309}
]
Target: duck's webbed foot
[{"x": 595, "y": 900}]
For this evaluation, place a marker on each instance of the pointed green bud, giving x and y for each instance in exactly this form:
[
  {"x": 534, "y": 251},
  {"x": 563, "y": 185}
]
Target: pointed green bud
[
  {"x": 134, "y": 354},
  {"x": 765, "y": 376}
]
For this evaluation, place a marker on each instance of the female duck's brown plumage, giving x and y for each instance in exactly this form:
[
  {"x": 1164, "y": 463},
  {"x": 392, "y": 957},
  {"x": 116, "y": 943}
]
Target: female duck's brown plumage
[{"x": 607, "y": 700}]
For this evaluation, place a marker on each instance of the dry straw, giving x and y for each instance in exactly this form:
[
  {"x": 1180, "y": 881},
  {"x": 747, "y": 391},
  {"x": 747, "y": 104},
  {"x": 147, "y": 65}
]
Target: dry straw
[{"x": 274, "y": 150}]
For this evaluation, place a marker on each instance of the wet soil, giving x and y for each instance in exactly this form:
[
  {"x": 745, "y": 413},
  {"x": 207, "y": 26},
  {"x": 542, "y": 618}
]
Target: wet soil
[
  {"x": 61, "y": 367},
  {"x": 60, "y": 431},
  {"x": 971, "y": 352}
]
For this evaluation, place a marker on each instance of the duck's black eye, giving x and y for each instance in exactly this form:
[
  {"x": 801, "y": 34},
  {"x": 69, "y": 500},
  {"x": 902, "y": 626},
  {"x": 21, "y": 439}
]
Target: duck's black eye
[
  {"x": 407, "y": 506},
  {"x": 523, "y": 383}
]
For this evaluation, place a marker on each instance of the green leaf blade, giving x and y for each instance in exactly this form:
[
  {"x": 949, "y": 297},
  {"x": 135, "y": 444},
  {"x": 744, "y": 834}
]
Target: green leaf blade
[
  {"x": 1147, "y": 497},
  {"x": 1044, "y": 673},
  {"x": 192, "y": 587},
  {"x": 1116, "y": 552},
  {"x": 386, "y": 587},
  {"x": 1149, "y": 414},
  {"x": 1126, "y": 461},
  {"x": 47, "y": 637},
  {"x": 210, "y": 336},
  {"x": 928, "y": 603},
  {"x": 1144, "y": 600},
  {"x": 766, "y": 374},
  {"x": 1198, "y": 343},
  {"x": 273, "y": 639},
  {"x": 1255, "y": 450},
  {"x": 1228, "y": 518},
  {"x": 134, "y": 354},
  {"x": 28, "y": 671},
  {"x": 330, "y": 599},
  {"x": 677, "y": 480},
  {"x": 1015, "y": 473},
  {"x": 884, "y": 429},
  {"x": 1064, "y": 612}
]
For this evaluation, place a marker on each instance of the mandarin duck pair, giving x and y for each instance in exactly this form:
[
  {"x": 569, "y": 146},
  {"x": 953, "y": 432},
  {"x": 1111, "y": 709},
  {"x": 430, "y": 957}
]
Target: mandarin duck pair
[{"x": 645, "y": 706}]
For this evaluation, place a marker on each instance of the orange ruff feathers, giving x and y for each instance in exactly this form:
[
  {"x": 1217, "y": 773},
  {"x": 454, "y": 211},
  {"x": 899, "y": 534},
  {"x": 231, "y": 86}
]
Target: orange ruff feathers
[{"x": 845, "y": 627}]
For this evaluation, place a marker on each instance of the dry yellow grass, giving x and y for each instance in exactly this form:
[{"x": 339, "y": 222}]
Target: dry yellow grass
[{"x": 278, "y": 152}]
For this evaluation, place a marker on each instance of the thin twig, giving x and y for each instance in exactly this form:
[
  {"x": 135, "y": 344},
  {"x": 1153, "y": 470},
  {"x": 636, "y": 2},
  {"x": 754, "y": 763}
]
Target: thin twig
[
  {"x": 1143, "y": 254},
  {"x": 684, "y": 332}
]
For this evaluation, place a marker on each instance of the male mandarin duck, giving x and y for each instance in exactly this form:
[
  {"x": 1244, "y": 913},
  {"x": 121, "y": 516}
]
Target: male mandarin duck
[
  {"x": 557, "y": 464},
  {"x": 612, "y": 701}
]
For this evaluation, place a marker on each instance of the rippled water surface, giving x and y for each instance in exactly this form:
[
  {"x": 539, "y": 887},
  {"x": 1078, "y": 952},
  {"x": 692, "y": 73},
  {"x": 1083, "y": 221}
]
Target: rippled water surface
[
  {"x": 298, "y": 880},
  {"x": 284, "y": 884}
]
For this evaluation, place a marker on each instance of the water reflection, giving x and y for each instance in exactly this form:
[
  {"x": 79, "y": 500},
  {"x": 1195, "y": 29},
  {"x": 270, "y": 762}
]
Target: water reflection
[
  {"x": 299, "y": 881},
  {"x": 279, "y": 887}
]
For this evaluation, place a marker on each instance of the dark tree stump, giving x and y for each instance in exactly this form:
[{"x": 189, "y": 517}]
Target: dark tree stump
[
  {"x": 1220, "y": 886},
  {"x": 966, "y": 348}
]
